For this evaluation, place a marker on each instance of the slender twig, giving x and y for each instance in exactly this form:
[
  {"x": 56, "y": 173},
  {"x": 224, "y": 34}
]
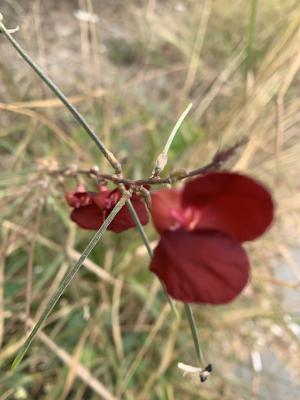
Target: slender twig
[
  {"x": 176, "y": 128},
  {"x": 218, "y": 161},
  {"x": 52, "y": 86},
  {"x": 68, "y": 278},
  {"x": 140, "y": 228},
  {"x": 159, "y": 166},
  {"x": 197, "y": 345},
  {"x": 162, "y": 159},
  {"x": 149, "y": 250}
]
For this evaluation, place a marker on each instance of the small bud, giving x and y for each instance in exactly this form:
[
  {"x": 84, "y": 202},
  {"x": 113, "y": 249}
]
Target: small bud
[
  {"x": 95, "y": 169},
  {"x": 160, "y": 164}
]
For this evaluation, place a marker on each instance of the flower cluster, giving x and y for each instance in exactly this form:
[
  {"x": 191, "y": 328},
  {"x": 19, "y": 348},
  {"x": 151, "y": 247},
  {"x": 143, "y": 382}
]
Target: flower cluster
[
  {"x": 199, "y": 258},
  {"x": 90, "y": 209}
]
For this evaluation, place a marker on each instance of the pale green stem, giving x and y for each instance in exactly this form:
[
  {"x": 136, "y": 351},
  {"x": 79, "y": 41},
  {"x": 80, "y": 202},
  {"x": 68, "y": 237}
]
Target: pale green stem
[
  {"x": 78, "y": 117},
  {"x": 191, "y": 320},
  {"x": 160, "y": 164},
  {"x": 140, "y": 227},
  {"x": 176, "y": 128},
  {"x": 149, "y": 250},
  {"x": 67, "y": 279},
  {"x": 162, "y": 159}
]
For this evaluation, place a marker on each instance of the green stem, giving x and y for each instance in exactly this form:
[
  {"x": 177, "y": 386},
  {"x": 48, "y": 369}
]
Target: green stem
[
  {"x": 76, "y": 114},
  {"x": 187, "y": 307},
  {"x": 140, "y": 227},
  {"x": 162, "y": 159},
  {"x": 67, "y": 279},
  {"x": 191, "y": 320},
  {"x": 176, "y": 127},
  {"x": 149, "y": 250}
]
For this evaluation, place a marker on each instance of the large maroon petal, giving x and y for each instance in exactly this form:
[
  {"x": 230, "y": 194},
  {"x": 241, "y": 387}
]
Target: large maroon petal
[
  {"x": 233, "y": 203},
  {"x": 88, "y": 217},
  {"x": 201, "y": 266},
  {"x": 123, "y": 219},
  {"x": 166, "y": 204}
]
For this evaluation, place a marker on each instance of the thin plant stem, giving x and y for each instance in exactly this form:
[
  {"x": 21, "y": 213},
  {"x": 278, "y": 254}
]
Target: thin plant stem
[
  {"x": 149, "y": 250},
  {"x": 140, "y": 227},
  {"x": 162, "y": 159},
  {"x": 160, "y": 164},
  {"x": 191, "y": 320},
  {"x": 68, "y": 278},
  {"x": 176, "y": 128},
  {"x": 73, "y": 110}
]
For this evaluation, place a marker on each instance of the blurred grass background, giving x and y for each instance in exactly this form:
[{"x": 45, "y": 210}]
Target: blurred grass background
[{"x": 131, "y": 68}]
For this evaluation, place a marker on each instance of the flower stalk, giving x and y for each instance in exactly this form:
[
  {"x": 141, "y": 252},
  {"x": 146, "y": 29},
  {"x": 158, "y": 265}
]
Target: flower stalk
[
  {"x": 197, "y": 345},
  {"x": 68, "y": 278}
]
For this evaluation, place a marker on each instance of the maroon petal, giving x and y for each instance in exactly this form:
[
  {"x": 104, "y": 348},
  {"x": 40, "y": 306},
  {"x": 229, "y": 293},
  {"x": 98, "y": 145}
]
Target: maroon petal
[
  {"x": 123, "y": 219},
  {"x": 88, "y": 217},
  {"x": 101, "y": 199},
  {"x": 166, "y": 209},
  {"x": 79, "y": 199},
  {"x": 233, "y": 203},
  {"x": 201, "y": 266}
]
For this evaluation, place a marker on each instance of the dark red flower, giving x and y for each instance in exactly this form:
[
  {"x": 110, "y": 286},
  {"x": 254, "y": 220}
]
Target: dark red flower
[
  {"x": 90, "y": 209},
  {"x": 199, "y": 257}
]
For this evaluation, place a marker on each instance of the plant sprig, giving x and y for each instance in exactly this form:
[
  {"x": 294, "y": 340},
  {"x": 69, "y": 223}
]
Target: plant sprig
[
  {"x": 217, "y": 162},
  {"x": 118, "y": 179}
]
